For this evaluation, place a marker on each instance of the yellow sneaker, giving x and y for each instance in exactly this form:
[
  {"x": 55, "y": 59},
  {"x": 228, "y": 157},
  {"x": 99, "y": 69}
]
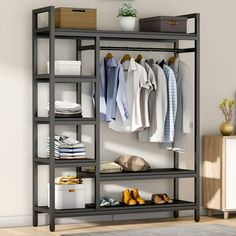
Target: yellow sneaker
[
  {"x": 136, "y": 196},
  {"x": 127, "y": 199}
]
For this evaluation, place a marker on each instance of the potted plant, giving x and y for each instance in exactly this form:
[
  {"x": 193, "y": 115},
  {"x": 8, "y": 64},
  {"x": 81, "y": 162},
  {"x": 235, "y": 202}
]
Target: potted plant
[
  {"x": 226, "y": 106},
  {"x": 127, "y": 15}
]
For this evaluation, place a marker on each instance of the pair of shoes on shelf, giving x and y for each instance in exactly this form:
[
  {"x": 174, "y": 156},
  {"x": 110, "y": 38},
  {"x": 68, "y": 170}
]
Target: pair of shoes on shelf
[
  {"x": 107, "y": 201},
  {"x": 132, "y": 197},
  {"x": 161, "y": 198}
]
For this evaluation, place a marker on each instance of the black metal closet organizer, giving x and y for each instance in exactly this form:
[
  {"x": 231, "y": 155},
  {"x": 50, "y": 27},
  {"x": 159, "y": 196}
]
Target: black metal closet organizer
[{"x": 97, "y": 36}]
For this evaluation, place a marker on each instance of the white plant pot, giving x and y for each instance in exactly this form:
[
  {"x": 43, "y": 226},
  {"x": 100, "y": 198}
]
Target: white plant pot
[{"x": 127, "y": 23}]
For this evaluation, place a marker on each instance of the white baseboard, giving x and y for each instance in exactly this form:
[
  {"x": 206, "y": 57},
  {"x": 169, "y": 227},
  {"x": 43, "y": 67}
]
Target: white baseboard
[{"x": 24, "y": 221}]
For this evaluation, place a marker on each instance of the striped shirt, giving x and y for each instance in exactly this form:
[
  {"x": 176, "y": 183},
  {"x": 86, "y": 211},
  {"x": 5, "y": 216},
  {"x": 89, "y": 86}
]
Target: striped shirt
[{"x": 169, "y": 129}]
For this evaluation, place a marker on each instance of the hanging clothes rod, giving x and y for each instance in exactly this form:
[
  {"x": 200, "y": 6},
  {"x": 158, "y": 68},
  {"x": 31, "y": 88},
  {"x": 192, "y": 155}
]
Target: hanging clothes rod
[
  {"x": 113, "y": 48},
  {"x": 109, "y": 48}
]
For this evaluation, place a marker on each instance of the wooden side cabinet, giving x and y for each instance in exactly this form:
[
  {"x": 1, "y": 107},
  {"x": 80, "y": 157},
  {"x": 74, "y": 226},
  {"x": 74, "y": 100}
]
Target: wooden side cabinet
[{"x": 219, "y": 174}]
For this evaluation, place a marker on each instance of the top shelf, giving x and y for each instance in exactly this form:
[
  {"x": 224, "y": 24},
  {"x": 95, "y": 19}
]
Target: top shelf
[{"x": 115, "y": 35}]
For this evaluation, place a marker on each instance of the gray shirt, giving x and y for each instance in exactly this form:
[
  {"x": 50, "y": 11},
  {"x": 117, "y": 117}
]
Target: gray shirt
[
  {"x": 157, "y": 108},
  {"x": 184, "y": 121},
  {"x": 184, "y": 117},
  {"x": 144, "y": 94}
]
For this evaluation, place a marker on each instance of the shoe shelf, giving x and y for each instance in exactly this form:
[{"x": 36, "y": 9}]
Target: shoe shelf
[
  {"x": 162, "y": 173},
  {"x": 152, "y": 206},
  {"x": 90, "y": 209}
]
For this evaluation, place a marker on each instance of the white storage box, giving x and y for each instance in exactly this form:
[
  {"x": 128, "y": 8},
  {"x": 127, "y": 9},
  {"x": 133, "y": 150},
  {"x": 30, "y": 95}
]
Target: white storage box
[
  {"x": 66, "y": 67},
  {"x": 68, "y": 196}
]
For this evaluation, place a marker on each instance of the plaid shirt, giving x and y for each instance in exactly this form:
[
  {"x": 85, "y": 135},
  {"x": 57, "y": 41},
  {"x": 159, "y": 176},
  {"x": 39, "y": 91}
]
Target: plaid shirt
[{"x": 169, "y": 129}]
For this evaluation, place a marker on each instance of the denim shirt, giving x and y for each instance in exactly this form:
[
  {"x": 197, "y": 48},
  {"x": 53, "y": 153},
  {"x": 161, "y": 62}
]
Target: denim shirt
[{"x": 112, "y": 90}]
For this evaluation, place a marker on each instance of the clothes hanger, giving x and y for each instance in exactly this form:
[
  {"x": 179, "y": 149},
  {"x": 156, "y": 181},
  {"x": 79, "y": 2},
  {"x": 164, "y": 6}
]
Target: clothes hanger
[
  {"x": 108, "y": 56},
  {"x": 161, "y": 63},
  {"x": 172, "y": 60},
  {"x": 149, "y": 59},
  {"x": 139, "y": 58},
  {"x": 126, "y": 57}
]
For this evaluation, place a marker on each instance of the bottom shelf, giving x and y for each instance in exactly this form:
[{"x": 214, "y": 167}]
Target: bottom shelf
[
  {"x": 68, "y": 212},
  {"x": 90, "y": 209},
  {"x": 149, "y": 204}
]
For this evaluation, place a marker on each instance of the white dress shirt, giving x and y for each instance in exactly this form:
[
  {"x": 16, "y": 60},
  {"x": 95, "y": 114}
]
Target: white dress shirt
[{"x": 135, "y": 79}]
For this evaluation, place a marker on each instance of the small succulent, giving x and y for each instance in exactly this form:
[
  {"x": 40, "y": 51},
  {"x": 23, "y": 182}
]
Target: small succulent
[
  {"x": 127, "y": 10},
  {"x": 226, "y": 106}
]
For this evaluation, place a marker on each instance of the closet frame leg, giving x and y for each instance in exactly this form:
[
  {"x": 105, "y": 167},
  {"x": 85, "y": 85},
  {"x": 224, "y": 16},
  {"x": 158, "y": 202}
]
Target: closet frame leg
[
  {"x": 52, "y": 118},
  {"x": 176, "y": 154},
  {"x": 176, "y": 182},
  {"x": 197, "y": 215},
  {"x": 35, "y": 195},
  {"x": 197, "y": 119},
  {"x": 34, "y": 114},
  {"x": 78, "y": 95},
  {"x": 97, "y": 126}
]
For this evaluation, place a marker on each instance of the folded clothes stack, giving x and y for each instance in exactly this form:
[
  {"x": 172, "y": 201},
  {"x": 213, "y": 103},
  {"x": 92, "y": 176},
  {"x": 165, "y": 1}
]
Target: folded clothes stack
[
  {"x": 67, "y": 109},
  {"x": 67, "y": 148}
]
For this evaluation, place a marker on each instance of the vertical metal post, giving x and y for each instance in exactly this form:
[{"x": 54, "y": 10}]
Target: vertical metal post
[
  {"x": 197, "y": 118},
  {"x": 34, "y": 114},
  {"x": 52, "y": 116},
  {"x": 176, "y": 155},
  {"x": 97, "y": 126},
  {"x": 78, "y": 95}
]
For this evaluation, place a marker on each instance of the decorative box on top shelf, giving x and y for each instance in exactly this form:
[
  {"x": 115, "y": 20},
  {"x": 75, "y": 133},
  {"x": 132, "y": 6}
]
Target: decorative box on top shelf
[
  {"x": 76, "y": 18},
  {"x": 165, "y": 24}
]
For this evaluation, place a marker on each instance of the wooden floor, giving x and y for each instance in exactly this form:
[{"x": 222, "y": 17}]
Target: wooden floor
[{"x": 114, "y": 226}]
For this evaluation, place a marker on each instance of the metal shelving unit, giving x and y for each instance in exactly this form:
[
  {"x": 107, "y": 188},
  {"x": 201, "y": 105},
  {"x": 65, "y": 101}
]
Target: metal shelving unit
[{"x": 99, "y": 36}]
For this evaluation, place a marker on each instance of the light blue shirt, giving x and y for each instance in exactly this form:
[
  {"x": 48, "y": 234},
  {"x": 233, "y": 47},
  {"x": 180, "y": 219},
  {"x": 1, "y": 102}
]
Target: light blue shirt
[
  {"x": 169, "y": 129},
  {"x": 112, "y": 90}
]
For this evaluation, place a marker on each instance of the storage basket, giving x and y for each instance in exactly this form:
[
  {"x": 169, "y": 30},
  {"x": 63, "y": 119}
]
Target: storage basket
[
  {"x": 165, "y": 24},
  {"x": 68, "y": 196},
  {"x": 76, "y": 18}
]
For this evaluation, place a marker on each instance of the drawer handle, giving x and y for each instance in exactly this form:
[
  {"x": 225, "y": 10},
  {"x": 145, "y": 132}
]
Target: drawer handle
[
  {"x": 172, "y": 22},
  {"x": 71, "y": 190},
  {"x": 79, "y": 10}
]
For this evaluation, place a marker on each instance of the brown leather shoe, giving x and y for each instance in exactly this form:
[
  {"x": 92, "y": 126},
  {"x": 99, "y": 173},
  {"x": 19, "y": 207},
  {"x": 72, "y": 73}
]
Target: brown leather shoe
[
  {"x": 127, "y": 199},
  {"x": 135, "y": 195},
  {"x": 157, "y": 199}
]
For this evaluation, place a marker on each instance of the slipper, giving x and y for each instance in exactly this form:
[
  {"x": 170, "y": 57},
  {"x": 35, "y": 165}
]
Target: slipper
[{"x": 112, "y": 201}]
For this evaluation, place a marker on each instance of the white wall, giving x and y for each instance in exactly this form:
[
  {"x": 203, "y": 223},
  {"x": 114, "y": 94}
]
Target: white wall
[{"x": 218, "y": 35}]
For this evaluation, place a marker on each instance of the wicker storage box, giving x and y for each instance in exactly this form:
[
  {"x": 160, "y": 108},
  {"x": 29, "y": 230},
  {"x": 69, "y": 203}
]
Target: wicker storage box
[
  {"x": 76, "y": 18},
  {"x": 165, "y": 24}
]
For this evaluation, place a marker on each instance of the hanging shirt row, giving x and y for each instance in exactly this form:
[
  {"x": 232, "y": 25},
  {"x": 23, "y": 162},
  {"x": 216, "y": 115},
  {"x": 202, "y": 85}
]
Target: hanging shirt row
[{"x": 151, "y": 98}]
